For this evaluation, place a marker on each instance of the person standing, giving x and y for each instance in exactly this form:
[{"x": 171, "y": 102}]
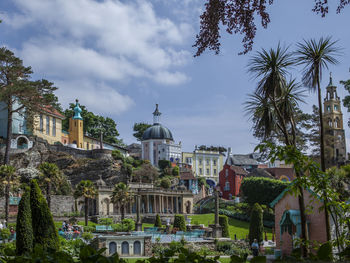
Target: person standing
[{"x": 255, "y": 248}]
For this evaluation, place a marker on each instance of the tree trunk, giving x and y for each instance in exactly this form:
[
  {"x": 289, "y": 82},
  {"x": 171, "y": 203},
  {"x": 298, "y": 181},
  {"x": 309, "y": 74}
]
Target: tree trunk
[
  {"x": 86, "y": 211},
  {"x": 76, "y": 205},
  {"x": 48, "y": 195},
  {"x": 9, "y": 132},
  {"x": 101, "y": 140},
  {"x": 304, "y": 234},
  {"x": 323, "y": 165},
  {"x": 7, "y": 197},
  {"x": 122, "y": 211}
]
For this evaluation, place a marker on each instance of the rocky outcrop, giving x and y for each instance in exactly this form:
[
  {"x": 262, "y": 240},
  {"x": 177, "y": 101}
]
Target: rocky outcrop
[{"x": 74, "y": 163}]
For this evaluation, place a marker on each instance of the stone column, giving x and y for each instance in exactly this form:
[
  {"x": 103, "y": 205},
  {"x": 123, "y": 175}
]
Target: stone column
[
  {"x": 154, "y": 204},
  {"x": 217, "y": 231},
  {"x": 138, "y": 225},
  {"x": 177, "y": 204},
  {"x": 147, "y": 201}
]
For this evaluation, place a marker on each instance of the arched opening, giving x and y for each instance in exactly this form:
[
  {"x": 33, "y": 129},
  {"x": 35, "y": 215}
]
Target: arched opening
[
  {"x": 330, "y": 123},
  {"x": 188, "y": 207},
  {"x": 337, "y": 123},
  {"x": 22, "y": 142},
  {"x": 105, "y": 206},
  {"x": 137, "y": 248},
  {"x": 112, "y": 248},
  {"x": 125, "y": 248}
]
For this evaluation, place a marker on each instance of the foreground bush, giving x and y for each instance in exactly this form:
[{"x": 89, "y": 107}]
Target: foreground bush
[
  {"x": 223, "y": 221},
  {"x": 179, "y": 222},
  {"x": 256, "y": 228}
]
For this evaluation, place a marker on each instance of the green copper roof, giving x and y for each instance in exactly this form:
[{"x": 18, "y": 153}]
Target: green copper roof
[{"x": 77, "y": 111}]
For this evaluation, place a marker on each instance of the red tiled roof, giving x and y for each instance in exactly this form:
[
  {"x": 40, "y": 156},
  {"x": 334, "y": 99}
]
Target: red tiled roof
[
  {"x": 277, "y": 172},
  {"x": 238, "y": 170},
  {"x": 52, "y": 111}
]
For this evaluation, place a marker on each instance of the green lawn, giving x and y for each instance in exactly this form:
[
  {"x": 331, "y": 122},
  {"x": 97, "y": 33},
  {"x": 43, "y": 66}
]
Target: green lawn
[{"x": 240, "y": 228}]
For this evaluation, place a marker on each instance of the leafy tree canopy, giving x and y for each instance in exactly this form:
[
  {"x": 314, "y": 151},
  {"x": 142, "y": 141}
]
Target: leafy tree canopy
[
  {"x": 238, "y": 17},
  {"x": 139, "y": 129}
]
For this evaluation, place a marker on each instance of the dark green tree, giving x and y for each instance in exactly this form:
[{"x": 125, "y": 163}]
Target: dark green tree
[
  {"x": 223, "y": 221},
  {"x": 176, "y": 171},
  {"x": 44, "y": 230},
  {"x": 179, "y": 222},
  {"x": 139, "y": 129},
  {"x": 24, "y": 230},
  {"x": 158, "y": 222},
  {"x": 121, "y": 196},
  {"x": 256, "y": 227},
  {"x": 20, "y": 94},
  {"x": 346, "y": 100},
  {"x": 165, "y": 183}
]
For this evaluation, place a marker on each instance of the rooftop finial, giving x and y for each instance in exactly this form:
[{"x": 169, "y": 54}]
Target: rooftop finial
[
  {"x": 156, "y": 115},
  {"x": 77, "y": 111},
  {"x": 330, "y": 80}
]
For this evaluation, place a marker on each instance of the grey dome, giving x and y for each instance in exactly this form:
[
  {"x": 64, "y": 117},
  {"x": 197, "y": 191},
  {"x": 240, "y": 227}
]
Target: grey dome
[{"x": 157, "y": 131}]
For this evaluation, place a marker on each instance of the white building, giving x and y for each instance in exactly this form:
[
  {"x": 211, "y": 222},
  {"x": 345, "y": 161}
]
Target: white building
[{"x": 158, "y": 143}]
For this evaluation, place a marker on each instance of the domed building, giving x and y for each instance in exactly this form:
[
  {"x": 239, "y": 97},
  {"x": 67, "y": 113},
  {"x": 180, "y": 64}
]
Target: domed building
[{"x": 158, "y": 143}]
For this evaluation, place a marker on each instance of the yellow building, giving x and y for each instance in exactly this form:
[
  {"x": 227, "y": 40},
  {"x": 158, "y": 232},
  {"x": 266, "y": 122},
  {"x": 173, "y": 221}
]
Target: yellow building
[
  {"x": 206, "y": 164},
  {"x": 48, "y": 125}
]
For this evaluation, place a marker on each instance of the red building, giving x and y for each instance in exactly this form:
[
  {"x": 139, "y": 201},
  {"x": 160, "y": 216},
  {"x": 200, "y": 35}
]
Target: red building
[{"x": 230, "y": 179}]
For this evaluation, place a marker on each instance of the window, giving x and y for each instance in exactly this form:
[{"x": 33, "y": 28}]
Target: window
[
  {"x": 53, "y": 126},
  {"x": 335, "y": 107},
  {"x": 112, "y": 248},
  {"x": 207, "y": 161},
  {"x": 207, "y": 171},
  {"x": 227, "y": 186},
  {"x": 214, "y": 171},
  {"x": 200, "y": 161},
  {"x": 200, "y": 171},
  {"x": 41, "y": 123},
  {"x": 125, "y": 248},
  {"x": 329, "y": 108},
  {"x": 226, "y": 172},
  {"x": 47, "y": 125},
  {"x": 188, "y": 160},
  {"x": 87, "y": 146},
  {"x": 214, "y": 162},
  {"x": 330, "y": 123}
]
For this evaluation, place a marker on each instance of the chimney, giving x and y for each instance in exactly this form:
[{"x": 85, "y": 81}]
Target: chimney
[{"x": 229, "y": 151}]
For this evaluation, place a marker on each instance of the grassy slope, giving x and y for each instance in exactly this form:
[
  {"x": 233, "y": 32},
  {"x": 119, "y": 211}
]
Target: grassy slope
[{"x": 240, "y": 228}]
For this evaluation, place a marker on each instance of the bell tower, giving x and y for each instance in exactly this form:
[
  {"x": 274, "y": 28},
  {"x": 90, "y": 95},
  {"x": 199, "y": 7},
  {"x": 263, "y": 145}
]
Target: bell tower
[
  {"x": 76, "y": 133},
  {"x": 335, "y": 145}
]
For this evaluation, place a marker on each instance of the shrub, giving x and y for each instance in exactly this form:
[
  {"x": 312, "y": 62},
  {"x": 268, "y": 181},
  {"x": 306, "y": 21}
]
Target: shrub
[
  {"x": 105, "y": 221},
  {"x": 176, "y": 171},
  {"x": 256, "y": 228},
  {"x": 126, "y": 225},
  {"x": 179, "y": 222},
  {"x": 254, "y": 189},
  {"x": 89, "y": 229},
  {"x": 223, "y": 246},
  {"x": 117, "y": 155},
  {"x": 5, "y": 234},
  {"x": 223, "y": 221},
  {"x": 158, "y": 222},
  {"x": 24, "y": 230},
  {"x": 87, "y": 236},
  {"x": 165, "y": 183},
  {"x": 163, "y": 164},
  {"x": 44, "y": 230}
]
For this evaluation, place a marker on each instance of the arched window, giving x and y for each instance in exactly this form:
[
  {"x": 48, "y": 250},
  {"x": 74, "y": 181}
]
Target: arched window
[
  {"x": 227, "y": 186},
  {"x": 330, "y": 123},
  {"x": 328, "y": 108},
  {"x": 337, "y": 123},
  {"x": 41, "y": 123},
  {"x": 112, "y": 248},
  {"x": 137, "y": 248},
  {"x": 125, "y": 248}
]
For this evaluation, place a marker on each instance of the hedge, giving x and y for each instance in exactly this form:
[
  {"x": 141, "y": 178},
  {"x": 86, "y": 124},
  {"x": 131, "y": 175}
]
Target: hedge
[
  {"x": 179, "y": 222},
  {"x": 223, "y": 221},
  {"x": 261, "y": 190},
  {"x": 44, "y": 229},
  {"x": 158, "y": 222},
  {"x": 24, "y": 230},
  {"x": 256, "y": 228}
]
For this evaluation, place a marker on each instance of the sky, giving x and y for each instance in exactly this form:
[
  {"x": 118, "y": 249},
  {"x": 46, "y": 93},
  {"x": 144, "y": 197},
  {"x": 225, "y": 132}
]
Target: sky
[{"x": 120, "y": 58}]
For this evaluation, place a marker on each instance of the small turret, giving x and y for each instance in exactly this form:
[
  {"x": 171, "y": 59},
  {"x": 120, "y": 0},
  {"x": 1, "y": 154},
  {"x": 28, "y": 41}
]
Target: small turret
[
  {"x": 77, "y": 111},
  {"x": 156, "y": 115}
]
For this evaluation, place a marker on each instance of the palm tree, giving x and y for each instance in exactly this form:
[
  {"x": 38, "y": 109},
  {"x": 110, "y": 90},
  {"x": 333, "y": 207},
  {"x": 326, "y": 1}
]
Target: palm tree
[
  {"x": 87, "y": 190},
  {"x": 315, "y": 56},
  {"x": 272, "y": 106},
  {"x": 51, "y": 176},
  {"x": 121, "y": 195},
  {"x": 9, "y": 179}
]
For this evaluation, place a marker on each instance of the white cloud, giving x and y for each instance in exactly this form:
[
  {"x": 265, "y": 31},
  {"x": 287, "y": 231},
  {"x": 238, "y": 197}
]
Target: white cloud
[
  {"x": 109, "y": 32},
  {"x": 99, "y": 98}
]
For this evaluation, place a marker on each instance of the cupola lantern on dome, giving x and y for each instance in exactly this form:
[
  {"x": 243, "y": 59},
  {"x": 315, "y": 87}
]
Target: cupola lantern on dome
[
  {"x": 156, "y": 115},
  {"x": 77, "y": 111}
]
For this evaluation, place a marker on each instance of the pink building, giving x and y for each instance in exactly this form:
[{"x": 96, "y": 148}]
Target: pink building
[{"x": 288, "y": 224}]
